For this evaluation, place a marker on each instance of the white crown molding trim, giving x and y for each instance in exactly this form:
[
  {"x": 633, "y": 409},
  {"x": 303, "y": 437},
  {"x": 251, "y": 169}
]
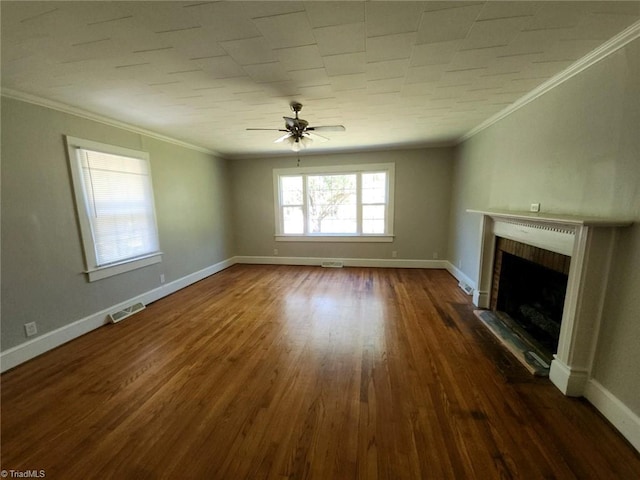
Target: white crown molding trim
[
  {"x": 622, "y": 418},
  {"x": 78, "y": 112},
  {"x": 26, "y": 351},
  {"x": 623, "y": 38}
]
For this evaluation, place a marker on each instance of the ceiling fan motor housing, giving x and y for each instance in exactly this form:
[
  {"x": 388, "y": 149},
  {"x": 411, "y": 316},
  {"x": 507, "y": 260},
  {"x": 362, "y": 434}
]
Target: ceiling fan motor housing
[{"x": 296, "y": 125}]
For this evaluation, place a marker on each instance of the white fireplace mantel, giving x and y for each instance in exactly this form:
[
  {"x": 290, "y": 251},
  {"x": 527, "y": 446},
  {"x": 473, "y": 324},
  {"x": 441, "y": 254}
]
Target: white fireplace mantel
[{"x": 589, "y": 241}]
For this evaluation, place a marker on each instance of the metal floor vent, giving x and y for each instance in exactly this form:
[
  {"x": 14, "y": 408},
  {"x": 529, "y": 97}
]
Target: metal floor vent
[
  {"x": 332, "y": 264},
  {"x": 466, "y": 288},
  {"x": 126, "y": 312}
]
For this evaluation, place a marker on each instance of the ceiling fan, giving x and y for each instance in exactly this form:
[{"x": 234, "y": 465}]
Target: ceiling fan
[{"x": 298, "y": 132}]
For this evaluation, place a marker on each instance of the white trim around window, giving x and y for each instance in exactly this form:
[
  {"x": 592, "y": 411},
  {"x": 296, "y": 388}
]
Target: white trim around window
[
  {"x": 357, "y": 199},
  {"x": 115, "y": 206}
]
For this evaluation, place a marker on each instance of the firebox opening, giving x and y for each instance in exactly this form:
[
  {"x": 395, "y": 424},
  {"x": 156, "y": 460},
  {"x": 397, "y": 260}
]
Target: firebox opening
[{"x": 533, "y": 297}]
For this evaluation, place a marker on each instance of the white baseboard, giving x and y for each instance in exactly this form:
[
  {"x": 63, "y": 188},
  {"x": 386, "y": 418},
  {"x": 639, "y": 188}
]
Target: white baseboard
[
  {"x": 481, "y": 299},
  {"x": 461, "y": 277},
  {"x": 620, "y": 416},
  {"x": 570, "y": 381},
  {"x": 347, "y": 262},
  {"x": 26, "y": 351},
  {"x": 183, "y": 282}
]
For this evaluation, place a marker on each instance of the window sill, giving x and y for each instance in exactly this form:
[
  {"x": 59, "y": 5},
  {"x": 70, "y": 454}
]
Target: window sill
[
  {"x": 336, "y": 238},
  {"x": 117, "y": 268}
]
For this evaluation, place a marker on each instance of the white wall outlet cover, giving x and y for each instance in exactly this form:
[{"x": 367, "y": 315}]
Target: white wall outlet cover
[{"x": 30, "y": 329}]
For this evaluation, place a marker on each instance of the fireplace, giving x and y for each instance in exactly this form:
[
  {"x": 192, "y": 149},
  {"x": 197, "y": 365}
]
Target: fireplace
[
  {"x": 578, "y": 247},
  {"x": 529, "y": 288}
]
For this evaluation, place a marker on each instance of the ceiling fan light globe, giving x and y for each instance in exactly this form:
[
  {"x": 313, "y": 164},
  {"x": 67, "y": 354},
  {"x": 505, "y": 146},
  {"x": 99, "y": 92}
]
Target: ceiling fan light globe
[
  {"x": 294, "y": 143},
  {"x": 282, "y": 138}
]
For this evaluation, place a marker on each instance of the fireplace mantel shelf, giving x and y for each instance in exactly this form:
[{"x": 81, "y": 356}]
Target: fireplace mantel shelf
[{"x": 575, "y": 220}]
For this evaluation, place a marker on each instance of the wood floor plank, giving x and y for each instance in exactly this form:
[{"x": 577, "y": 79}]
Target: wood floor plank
[{"x": 274, "y": 372}]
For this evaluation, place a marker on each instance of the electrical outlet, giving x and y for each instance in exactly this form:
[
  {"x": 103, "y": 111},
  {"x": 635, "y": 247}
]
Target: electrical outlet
[
  {"x": 535, "y": 207},
  {"x": 275, "y": 252},
  {"x": 394, "y": 254},
  {"x": 435, "y": 255},
  {"x": 162, "y": 278},
  {"x": 30, "y": 329}
]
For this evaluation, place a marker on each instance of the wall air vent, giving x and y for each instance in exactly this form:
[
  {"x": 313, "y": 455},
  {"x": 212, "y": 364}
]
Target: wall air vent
[
  {"x": 126, "y": 312},
  {"x": 332, "y": 264}
]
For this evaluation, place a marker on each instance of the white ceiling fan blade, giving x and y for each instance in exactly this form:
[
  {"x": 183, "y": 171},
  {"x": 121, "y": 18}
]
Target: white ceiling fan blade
[
  {"x": 316, "y": 137},
  {"x": 282, "y": 138},
  {"x": 328, "y": 128},
  {"x": 270, "y": 129}
]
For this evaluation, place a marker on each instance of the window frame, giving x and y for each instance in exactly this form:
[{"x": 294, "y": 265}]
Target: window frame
[
  {"x": 93, "y": 270},
  {"x": 388, "y": 236}
]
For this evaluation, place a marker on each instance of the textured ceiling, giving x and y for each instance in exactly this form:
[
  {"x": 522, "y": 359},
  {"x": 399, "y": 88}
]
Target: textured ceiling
[{"x": 393, "y": 73}]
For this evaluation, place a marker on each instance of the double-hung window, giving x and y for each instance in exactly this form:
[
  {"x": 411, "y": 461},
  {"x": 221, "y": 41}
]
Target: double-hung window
[
  {"x": 339, "y": 203},
  {"x": 114, "y": 201}
]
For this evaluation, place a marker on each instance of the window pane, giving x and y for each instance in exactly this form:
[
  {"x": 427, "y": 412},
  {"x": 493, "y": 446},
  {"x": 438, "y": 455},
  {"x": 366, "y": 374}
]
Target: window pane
[
  {"x": 373, "y": 219},
  {"x": 332, "y": 203},
  {"x": 374, "y": 187},
  {"x": 291, "y": 188},
  {"x": 293, "y": 220},
  {"x": 119, "y": 200}
]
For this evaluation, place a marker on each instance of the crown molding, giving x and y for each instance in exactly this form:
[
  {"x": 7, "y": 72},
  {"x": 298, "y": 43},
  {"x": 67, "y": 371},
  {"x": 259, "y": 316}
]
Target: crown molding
[
  {"x": 625, "y": 37},
  {"x": 78, "y": 112}
]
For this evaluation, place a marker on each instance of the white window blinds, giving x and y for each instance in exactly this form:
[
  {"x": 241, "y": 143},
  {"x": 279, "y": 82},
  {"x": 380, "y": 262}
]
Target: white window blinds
[
  {"x": 114, "y": 201},
  {"x": 118, "y": 199}
]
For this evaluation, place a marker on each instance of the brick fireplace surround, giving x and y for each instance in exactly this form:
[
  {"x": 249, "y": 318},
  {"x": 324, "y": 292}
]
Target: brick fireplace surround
[
  {"x": 546, "y": 258},
  {"x": 589, "y": 242}
]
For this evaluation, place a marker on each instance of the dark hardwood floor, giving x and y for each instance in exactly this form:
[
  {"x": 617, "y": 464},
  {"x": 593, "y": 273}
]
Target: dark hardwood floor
[{"x": 301, "y": 372}]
